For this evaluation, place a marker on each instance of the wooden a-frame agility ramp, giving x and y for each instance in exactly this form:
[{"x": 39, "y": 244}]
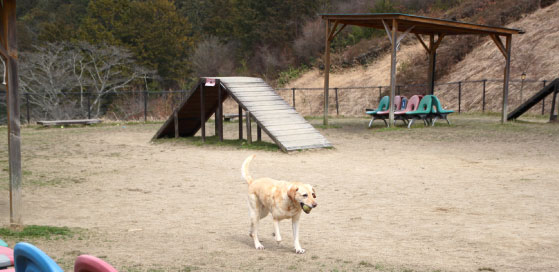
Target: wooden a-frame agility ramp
[{"x": 289, "y": 130}]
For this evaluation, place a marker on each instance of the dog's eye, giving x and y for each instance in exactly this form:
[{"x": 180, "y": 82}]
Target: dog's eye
[
  {"x": 313, "y": 195},
  {"x": 305, "y": 195}
]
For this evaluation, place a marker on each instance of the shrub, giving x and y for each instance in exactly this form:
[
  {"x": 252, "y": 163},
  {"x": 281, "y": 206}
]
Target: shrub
[{"x": 213, "y": 58}]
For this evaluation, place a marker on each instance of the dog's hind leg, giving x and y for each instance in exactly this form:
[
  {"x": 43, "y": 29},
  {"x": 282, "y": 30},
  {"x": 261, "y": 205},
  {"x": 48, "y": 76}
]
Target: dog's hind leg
[
  {"x": 295, "y": 223},
  {"x": 254, "y": 212},
  {"x": 276, "y": 231}
]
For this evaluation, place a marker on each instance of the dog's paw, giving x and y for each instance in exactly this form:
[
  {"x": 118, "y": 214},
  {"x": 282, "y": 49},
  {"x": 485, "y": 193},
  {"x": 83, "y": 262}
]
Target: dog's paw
[
  {"x": 278, "y": 237},
  {"x": 299, "y": 251},
  {"x": 259, "y": 247}
]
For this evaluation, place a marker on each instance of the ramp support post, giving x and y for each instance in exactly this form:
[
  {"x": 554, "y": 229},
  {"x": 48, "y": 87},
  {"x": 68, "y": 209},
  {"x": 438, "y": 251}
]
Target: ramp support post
[
  {"x": 249, "y": 130},
  {"x": 202, "y": 114},
  {"x": 258, "y": 133},
  {"x": 219, "y": 113},
  {"x": 543, "y": 100},
  {"x": 240, "y": 123},
  {"x": 176, "y": 119},
  {"x": 552, "y": 115}
]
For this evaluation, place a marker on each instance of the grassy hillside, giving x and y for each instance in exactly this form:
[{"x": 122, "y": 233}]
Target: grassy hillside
[{"x": 535, "y": 53}]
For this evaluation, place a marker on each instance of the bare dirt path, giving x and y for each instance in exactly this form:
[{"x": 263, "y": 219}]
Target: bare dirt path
[{"x": 449, "y": 199}]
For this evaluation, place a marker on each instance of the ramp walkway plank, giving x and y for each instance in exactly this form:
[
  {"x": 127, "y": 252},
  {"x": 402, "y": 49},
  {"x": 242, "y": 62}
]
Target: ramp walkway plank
[{"x": 279, "y": 120}]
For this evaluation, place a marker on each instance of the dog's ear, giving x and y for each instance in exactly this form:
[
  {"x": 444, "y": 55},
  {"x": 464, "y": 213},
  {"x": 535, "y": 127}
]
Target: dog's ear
[{"x": 292, "y": 191}]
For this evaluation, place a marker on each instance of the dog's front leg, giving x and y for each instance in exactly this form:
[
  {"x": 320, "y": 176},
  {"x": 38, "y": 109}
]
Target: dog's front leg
[
  {"x": 295, "y": 223},
  {"x": 276, "y": 231}
]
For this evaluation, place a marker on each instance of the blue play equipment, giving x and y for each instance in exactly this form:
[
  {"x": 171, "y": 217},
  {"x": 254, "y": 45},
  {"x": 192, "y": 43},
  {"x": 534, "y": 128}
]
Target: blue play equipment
[
  {"x": 29, "y": 258},
  {"x": 2, "y": 243}
]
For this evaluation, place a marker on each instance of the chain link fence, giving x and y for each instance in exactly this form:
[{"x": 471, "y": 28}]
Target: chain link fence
[{"x": 462, "y": 96}]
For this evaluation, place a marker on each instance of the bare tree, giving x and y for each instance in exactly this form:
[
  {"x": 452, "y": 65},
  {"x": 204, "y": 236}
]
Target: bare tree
[
  {"x": 55, "y": 72},
  {"x": 45, "y": 75},
  {"x": 311, "y": 43},
  {"x": 109, "y": 69},
  {"x": 79, "y": 64}
]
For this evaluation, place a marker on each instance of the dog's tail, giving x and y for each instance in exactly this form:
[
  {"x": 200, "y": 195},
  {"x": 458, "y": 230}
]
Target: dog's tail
[{"x": 244, "y": 169}]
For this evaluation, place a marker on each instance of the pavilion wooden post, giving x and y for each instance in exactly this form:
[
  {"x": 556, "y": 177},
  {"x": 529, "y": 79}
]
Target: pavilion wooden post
[
  {"x": 506, "y": 51},
  {"x": 326, "y": 72},
  {"x": 8, "y": 50},
  {"x": 506, "y": 79},
  {"x": 331, "y": 32},
  {"x": 432, "y": 61},
  {"x": 433, "y": 45},
  {"x": 393, "y": 62},
  {"x": 432, "y": 51}
]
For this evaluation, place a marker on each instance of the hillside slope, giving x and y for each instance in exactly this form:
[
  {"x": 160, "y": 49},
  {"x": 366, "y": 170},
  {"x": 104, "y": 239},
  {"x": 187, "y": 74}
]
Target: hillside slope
[{"x": 536, "y": 52}]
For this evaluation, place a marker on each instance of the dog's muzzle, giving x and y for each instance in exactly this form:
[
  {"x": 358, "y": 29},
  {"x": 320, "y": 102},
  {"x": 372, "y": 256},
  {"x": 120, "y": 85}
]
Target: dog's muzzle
[{"x": 306, "y": 208}]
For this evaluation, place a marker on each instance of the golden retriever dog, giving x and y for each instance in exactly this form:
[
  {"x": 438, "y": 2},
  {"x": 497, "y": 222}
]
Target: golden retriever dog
[{"x": 282, "y": 199}]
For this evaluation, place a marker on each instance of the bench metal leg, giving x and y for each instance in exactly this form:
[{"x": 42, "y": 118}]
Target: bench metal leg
[{"x": 411, "y": 122}]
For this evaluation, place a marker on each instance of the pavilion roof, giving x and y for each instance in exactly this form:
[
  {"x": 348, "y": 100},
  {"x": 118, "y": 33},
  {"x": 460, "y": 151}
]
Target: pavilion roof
[{"x": 421, "y": 25}]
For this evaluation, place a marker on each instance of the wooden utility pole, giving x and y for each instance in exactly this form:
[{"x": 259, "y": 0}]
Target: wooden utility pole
[
  {"x": 393, "y": 62},
  {"x": 8, "y": 50},
  {"x": 506, "y": 79}
]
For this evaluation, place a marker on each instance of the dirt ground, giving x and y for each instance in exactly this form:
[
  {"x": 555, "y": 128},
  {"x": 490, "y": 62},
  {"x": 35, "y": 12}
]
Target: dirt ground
[{"x": 476, "y": 196}]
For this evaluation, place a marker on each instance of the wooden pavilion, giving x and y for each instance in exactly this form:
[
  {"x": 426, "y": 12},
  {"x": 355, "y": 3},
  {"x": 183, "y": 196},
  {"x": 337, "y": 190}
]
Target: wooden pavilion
[
  {"x": 8, "y": 52},
  {"x": 435, "y": 29}
]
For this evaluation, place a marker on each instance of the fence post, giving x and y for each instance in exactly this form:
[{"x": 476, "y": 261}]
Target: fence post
[
  {"x": 88, "y": 105},
  {"x": 483, "y": 98},
  {"x": 249, "y": 129},
  {"x": 293, "y": 96},
  {"x": 543, "y": 100},
  {"x": 459, "y": 96},
  {"x": 27, "y": 106},
  {"x": 379, "y": 93},
  {"x": 145, "y": 106},
  {"x": 337, "y": 104}
]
